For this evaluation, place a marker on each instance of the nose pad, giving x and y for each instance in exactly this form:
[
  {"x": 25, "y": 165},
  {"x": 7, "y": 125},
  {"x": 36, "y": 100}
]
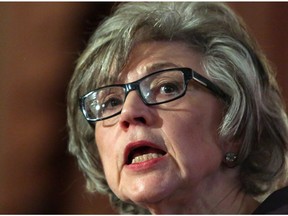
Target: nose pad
[{"x": 135, "y": 112}]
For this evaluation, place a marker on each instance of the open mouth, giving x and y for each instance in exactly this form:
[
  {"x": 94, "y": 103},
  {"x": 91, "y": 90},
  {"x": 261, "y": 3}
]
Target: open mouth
[{"x": 144, "y": 153}]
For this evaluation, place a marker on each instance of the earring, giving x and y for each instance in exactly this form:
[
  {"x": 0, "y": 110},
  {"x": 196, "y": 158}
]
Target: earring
[{"x": 230, "y": 159}]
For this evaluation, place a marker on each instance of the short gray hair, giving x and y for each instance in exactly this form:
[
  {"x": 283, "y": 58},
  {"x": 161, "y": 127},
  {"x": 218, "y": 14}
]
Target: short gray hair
[{"x": 255, "y": 118}]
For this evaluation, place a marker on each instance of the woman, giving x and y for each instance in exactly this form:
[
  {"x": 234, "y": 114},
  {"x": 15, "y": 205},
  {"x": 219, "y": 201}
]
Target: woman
[{"x": 182, "y": 113}]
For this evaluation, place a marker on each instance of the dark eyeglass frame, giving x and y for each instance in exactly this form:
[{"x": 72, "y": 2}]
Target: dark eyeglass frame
[{"x": 189, "y": 74}]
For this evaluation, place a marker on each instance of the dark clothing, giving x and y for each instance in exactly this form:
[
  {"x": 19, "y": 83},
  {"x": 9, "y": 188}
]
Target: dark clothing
[{"x": 276, "y": 203}]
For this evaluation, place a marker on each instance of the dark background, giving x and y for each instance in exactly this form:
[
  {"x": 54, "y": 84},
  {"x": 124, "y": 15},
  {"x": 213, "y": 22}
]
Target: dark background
[{"x": 39, "y": 44}]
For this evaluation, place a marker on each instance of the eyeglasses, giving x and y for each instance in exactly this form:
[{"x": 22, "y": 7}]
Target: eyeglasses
[{"x": 156, "y": 88}]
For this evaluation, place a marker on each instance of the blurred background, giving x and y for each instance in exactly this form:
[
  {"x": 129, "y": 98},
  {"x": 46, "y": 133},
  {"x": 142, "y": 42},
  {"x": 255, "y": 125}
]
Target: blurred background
[{"x": 39, "y": 44}]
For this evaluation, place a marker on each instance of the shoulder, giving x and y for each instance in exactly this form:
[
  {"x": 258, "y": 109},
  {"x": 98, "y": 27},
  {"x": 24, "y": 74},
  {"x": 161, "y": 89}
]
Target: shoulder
[{"x": 276, "y": 203}]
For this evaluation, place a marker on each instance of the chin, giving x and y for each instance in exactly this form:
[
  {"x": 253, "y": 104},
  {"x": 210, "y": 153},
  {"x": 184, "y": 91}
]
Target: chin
[{"x": 145, "y": 195}]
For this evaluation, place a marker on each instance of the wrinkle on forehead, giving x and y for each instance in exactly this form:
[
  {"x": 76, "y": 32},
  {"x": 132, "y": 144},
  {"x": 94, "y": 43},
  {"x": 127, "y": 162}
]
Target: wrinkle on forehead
[
  {"x": 150, "y": 68},
  {"x": 148, "y": 57}
]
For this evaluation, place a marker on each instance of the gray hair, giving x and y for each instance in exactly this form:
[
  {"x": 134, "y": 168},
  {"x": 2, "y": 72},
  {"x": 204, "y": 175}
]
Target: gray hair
[{"x": 255, "y": 118}]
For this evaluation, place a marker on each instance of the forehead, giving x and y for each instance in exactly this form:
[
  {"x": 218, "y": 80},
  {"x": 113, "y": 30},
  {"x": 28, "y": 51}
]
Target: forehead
[{"x": 149, "y": 57}]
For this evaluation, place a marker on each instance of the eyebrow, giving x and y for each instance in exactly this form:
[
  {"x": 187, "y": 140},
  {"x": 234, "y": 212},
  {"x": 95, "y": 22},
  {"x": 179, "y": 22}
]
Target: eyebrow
[
  {"x": 154, "y": 67},
  {"x": 160, "y": 66}
]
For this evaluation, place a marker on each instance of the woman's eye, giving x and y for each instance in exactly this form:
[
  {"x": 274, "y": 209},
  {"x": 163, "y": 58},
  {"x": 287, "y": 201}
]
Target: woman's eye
[
  {"x": 169, "y": 88},
  {"x": 111, "y": 103}
]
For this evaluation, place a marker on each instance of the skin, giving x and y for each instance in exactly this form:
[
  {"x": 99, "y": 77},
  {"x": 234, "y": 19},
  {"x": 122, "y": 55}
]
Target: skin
[{"x": 190, "y": 177}]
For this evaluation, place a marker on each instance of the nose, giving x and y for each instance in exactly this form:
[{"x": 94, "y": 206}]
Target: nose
[{"x": 135, "y": 112}]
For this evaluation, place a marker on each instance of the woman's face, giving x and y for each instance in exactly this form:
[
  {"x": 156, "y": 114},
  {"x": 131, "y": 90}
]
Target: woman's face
[{"x": 180, "y": 137}]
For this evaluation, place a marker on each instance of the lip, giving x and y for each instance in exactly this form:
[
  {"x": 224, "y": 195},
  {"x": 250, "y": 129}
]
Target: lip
[
  {"x": 141, "y": 143},
  {"x": 145, "y": 166}
]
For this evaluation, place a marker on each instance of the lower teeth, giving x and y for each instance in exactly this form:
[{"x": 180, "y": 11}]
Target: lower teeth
[{"x": 145, "y": 157}]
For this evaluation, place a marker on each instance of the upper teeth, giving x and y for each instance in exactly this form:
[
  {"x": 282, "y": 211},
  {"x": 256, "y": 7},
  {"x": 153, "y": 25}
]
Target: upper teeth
[{"x": 145, "y": 157}]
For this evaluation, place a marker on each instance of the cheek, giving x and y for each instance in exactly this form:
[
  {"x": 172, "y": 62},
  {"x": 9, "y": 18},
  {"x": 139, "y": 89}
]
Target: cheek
[
  {"x": 108, "y": 154},
  {"x": 193, "y": 140},
  {"x": 192, "y": 126},
  {"x": 100, "y": 139},
  {"x": 105, "y": 142}
]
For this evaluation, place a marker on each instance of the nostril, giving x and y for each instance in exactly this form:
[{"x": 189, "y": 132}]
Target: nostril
[
  {"x": 125, "y": 124},
  {"x": 137, "y": 120},
  {"x": 141, "y": 120}
]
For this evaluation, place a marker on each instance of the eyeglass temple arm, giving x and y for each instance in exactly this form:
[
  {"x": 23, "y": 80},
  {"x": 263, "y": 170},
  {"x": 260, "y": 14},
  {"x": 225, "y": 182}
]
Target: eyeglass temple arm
[{"x": 211, "y": 86}]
